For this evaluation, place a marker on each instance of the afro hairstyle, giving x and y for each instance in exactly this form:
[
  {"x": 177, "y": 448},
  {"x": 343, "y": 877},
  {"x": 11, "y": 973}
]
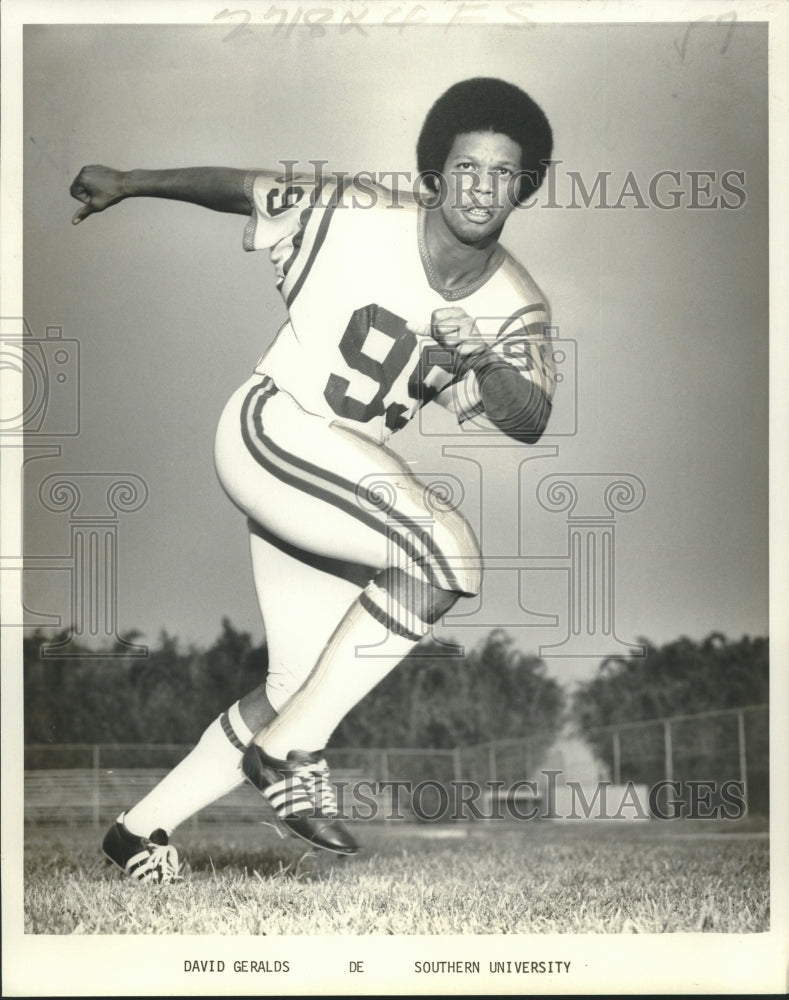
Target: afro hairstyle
[{"x": 485, "y": 104}]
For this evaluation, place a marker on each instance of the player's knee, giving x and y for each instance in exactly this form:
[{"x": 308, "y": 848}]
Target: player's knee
[
  {"x": 460, "y": 554},
  {"x": 470, "y": 576}
]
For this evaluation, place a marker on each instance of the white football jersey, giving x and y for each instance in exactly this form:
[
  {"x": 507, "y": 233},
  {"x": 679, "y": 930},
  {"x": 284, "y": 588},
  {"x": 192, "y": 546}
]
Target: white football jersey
[{"x": 354, "y": 270}]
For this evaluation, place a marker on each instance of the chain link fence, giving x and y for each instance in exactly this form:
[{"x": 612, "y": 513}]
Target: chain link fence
[
  {"x": 722, "y": 746},
  {"x": 93, "y": 783}
]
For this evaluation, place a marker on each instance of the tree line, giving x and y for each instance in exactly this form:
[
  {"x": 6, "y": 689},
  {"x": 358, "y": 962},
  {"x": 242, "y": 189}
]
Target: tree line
[
  {"x": 683, "y": 678},
  {"x": 438, "y": 697}
]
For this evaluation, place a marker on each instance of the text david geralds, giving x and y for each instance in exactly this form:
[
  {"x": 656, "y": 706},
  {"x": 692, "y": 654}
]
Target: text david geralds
[
  {"x": 240, "y": 965},
  {"x": 466, "y": 967}
]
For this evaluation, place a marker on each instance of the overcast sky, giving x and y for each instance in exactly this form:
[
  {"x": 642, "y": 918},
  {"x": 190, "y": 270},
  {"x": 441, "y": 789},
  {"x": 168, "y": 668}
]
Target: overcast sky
[{"x": 666, "y": 309}]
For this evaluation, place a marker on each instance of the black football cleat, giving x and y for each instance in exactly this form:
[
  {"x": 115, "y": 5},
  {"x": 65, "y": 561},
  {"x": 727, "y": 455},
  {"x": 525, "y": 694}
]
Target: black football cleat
[
  {"x": 142, "y": 859},
  {"x": 300, "y": 792}
]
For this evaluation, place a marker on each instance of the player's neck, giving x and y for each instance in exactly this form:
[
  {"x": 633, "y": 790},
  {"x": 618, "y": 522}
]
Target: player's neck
[{"x": 453, "y": 262}]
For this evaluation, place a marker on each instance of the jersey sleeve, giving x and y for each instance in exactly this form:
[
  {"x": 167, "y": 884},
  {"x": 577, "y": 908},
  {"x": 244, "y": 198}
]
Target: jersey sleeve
[
  {"x": 523, "y": 342},
  {"x": 278, "y": 206}
]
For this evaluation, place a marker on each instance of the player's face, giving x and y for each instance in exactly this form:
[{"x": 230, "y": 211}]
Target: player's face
[{"x": 480, "y": 173}]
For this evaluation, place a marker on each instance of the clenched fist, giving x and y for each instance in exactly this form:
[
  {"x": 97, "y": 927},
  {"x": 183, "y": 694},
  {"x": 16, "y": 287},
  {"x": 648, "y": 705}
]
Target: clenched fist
[
  {"x": 97, "y": 188},
  {"x": 452, "y": 327}
]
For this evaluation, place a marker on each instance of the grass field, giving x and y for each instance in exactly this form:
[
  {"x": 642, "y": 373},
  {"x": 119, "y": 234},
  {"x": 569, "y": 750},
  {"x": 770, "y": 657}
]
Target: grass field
[{"x": 493, "y": 878}]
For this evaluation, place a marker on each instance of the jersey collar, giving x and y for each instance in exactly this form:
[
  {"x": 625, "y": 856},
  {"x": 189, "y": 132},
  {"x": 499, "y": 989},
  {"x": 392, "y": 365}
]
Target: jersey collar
[{"x": 452, "y": 294}]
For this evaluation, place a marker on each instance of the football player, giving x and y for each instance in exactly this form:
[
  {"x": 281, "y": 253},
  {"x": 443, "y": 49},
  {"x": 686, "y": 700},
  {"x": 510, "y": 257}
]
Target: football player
[{"x": 384, "y": 291}]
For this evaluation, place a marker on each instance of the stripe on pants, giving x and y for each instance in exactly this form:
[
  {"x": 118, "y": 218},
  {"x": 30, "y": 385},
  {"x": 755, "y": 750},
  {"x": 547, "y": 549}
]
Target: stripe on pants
[{"x": 418, "y": 545}]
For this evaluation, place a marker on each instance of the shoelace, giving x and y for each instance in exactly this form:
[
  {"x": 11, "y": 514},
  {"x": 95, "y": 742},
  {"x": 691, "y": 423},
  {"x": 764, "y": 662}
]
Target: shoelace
[
  {"x": 317, "y": 781},
  {"x": 164, "y": 859}
]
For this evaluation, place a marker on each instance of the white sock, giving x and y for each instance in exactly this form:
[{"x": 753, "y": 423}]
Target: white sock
[
  {"x": 211, "y": 770},
  {"x": 341, "y": 677}
]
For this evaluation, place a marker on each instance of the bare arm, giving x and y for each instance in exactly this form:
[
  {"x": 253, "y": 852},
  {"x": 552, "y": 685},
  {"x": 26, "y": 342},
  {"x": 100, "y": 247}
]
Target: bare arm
[{"x": 218, "y": 188}]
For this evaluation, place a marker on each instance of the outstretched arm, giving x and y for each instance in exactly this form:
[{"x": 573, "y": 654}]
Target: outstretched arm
[{"x": 218, "y": 188}]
